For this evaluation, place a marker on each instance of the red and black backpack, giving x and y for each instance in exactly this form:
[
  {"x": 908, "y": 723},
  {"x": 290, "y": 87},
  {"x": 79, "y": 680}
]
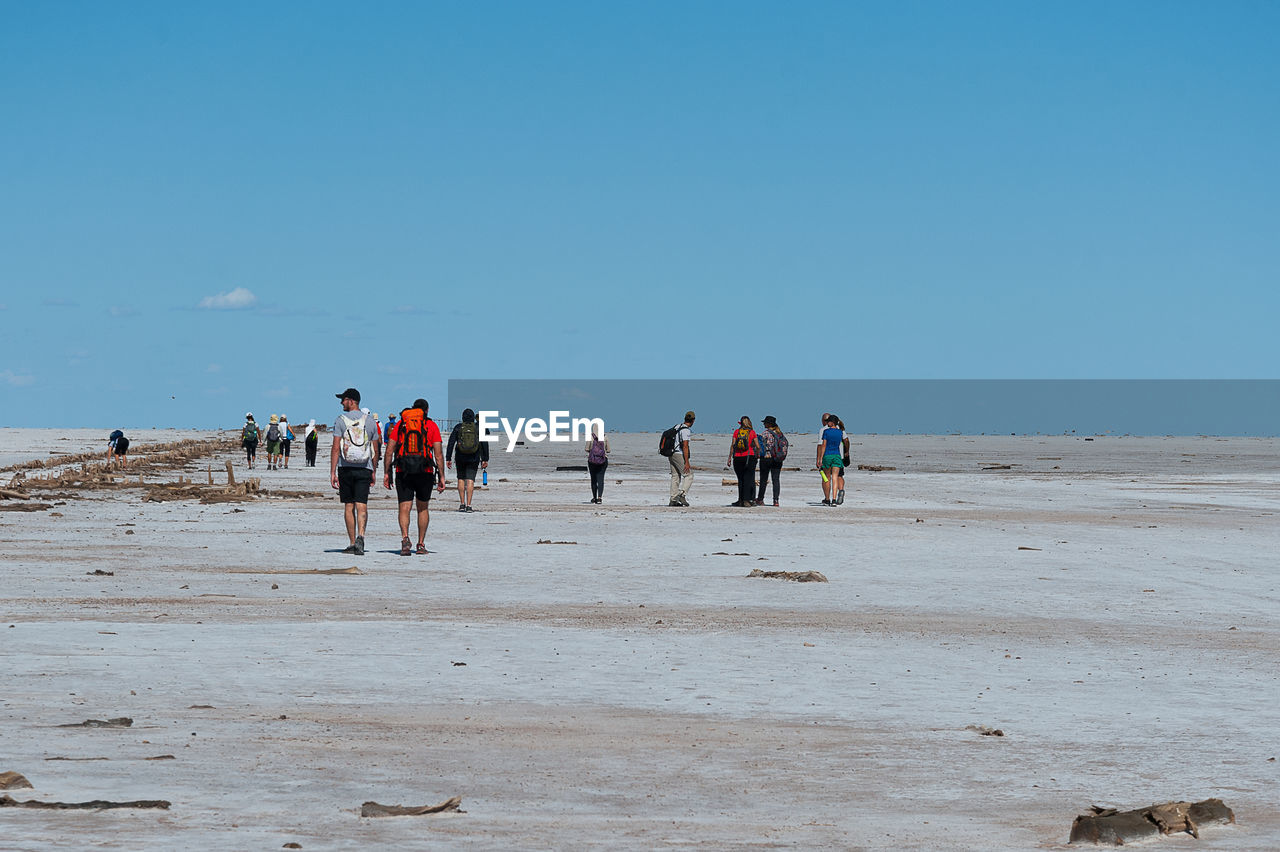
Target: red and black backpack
[{"x": 413, "y": 450}]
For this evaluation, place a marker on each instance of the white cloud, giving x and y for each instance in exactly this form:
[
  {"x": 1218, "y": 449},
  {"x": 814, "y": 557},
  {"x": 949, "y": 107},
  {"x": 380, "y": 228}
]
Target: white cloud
[
  {"x": 230, "y": 301},
  {"x": 17, "y": 380}
]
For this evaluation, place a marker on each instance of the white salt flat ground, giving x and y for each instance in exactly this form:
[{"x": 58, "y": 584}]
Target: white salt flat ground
[{"x": 635, "y": 689}]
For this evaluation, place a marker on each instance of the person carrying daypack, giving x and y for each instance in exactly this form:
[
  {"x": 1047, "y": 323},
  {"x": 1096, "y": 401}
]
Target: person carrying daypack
[
  {"x": 274, "y": 436},
  {"x": 249, "y": 439},
  {"x": 597, "y": 463},
  {"x": 773, "y": 452},
  {"x": 357, "y": 447},
  {"x": 286, "y": 440},
  {"x": 743, "y": 448},
  {"x": 676, "y": 450},
  {"x": 472, "y": 456},
  {"x": 413, "y": 449}
]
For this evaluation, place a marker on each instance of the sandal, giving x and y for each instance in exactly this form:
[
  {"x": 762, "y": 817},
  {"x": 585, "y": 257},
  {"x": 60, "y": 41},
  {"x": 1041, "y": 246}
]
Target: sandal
[{"x": 422, "y": 549}]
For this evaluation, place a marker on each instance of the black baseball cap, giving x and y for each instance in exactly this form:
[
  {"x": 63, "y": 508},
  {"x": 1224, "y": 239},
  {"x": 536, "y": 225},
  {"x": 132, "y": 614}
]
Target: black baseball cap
[{"x": 349, "y": 393}]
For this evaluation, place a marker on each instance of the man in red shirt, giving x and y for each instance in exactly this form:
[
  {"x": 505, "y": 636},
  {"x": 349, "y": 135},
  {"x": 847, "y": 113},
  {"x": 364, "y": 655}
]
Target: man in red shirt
[{"x": 414, "y": 450}]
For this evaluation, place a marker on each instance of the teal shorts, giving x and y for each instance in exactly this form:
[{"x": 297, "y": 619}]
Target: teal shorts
[{"x": 833, "y": 460}]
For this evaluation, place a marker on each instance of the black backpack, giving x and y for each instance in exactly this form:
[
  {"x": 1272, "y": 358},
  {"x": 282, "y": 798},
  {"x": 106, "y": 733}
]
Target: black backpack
[{"x": 667, "y": 443}]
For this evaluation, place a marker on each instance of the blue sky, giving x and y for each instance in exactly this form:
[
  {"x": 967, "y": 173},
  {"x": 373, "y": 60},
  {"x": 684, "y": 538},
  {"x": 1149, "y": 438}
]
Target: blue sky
[{"x": 209, "y": 208}]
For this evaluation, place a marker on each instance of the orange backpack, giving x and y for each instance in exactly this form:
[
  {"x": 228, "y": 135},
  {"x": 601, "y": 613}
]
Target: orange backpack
[{"x": 413, "y": 451}]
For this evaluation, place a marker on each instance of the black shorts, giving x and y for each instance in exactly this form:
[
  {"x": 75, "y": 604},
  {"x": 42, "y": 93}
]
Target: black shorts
[
  {"x": 122, "y": 447},
  {"x": 467, "y": 469},
  {"x": 410, "y": 485},
  {"x": 353, "y": 484}
]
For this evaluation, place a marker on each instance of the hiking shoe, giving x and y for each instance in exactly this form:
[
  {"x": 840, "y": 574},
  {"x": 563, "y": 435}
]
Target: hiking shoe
[
  {"x": 826, "y": 502},
  {"x": 684, "y": 501},
  {"x": 840, "y": 497},
  {"x": 350, "y": 548},
  {"x": 462, "y": 507},
  {"x": 775, "y": 502},
  {"x": 359, "y": 546},
  {"x": 422, "y": 548},
  {"x": 406, "y": 547},
  {"x": 675, "y": 501},
  {"x": 469, "y": 509}
]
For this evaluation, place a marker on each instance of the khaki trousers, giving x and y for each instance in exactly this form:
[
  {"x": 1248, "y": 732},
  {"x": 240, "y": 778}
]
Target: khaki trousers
[{"x": 680, "y": 481}]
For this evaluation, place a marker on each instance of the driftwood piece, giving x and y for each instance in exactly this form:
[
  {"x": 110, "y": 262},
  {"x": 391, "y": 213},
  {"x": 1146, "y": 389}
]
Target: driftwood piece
[
  {"x": 231, "y": 476},
  {"x": 1107, "y": 825},
  {"x": 95, "y": 805},
  {"x": 795, "y": 576},
  {"x": 373, "y": 809},
  {"x": 874, "y": 468},
  {"x": 14, "y": 781},
  {"x": 9, "y": 494},
  {"x": 118, "y": 722},
  {"x": 25, "y": 507},
  {"x": 580, "y": 468}
]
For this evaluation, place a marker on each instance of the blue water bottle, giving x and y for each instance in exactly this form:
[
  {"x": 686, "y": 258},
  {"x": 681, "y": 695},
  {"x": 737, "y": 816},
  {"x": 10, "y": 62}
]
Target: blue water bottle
[{"x": 484, "y": 477}]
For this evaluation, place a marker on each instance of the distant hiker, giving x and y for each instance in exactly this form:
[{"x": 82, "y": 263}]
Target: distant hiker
[
  {"x": 773, "y": 452},
  {"x": 353, "y": 458},
  {"x": 473, "y": 455},
  {"x": 274, "y": 435},
  {"x": 413, "y": 449},
  {"x": 674, "y": 444},
  {"x": 249, "y": 439},
  {"x": 839, "y": 424},
  {"x": 312, "y": 443},
  {"x": 597, "y": 462},
  {"x": 830, "y": 460},
  {"x": 117, "y": 449},
  {"x": 286, "y": 438},
  {"x": 743, "y": 450},
  {"x": 386, "y": 430}
]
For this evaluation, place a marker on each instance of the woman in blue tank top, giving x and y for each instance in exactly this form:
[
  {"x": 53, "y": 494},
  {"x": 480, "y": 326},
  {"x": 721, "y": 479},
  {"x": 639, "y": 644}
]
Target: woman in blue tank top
[{"x": 830, "y": 458}]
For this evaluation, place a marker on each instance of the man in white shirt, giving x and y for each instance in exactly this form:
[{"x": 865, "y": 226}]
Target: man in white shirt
[{"x": 681, "y": 473}]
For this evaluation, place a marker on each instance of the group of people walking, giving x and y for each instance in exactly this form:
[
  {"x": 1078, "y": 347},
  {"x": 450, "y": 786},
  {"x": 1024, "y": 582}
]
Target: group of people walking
[
  {"x": 751, "y": 452},
  {"x": 414, "y": 459},
  {"x": 279, "y": 438}
]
